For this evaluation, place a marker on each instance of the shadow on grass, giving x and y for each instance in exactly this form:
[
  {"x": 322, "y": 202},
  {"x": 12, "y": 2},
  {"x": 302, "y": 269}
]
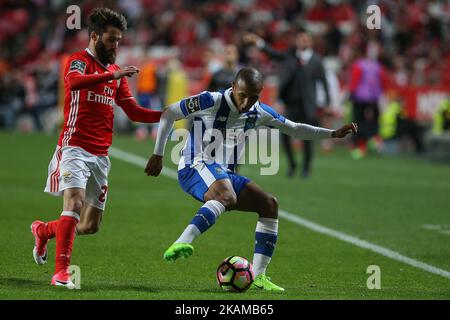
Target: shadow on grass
[
  {"x": 47, "y": 291},
  {"x": 120, "y": 287},
  {"x": 20, "y": 283}
]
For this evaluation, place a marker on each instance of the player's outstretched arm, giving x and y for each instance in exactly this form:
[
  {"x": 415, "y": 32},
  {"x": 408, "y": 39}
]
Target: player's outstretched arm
[
  {"x": 134, "y": 112},
  {"x": 255, "y": 40},
  {"x": 307, "y": 132},
  {"x": 168, "y": 117},
  {"x": 137, "y": 113},
  {"x": 301, "y": 130},
  {"x": 77, "y": 81}
]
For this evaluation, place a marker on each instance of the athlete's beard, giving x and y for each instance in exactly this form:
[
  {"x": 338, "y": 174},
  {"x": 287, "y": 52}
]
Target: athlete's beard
[{"x": 104, "y": 55}]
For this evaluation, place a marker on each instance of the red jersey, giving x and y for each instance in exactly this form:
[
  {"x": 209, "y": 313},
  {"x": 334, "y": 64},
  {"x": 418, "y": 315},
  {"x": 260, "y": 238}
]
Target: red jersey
[{"x": 89, "y": 112}]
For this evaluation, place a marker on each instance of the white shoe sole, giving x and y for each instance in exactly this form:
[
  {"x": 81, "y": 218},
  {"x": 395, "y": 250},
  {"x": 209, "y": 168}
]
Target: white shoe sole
[
  {"x": 69, "y": 285},
  {"x": 40, "y": 260}
]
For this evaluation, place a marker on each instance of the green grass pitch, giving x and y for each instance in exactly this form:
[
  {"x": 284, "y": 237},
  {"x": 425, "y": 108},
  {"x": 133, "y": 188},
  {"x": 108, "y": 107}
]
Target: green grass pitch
[{"x": 391, "y": 202}]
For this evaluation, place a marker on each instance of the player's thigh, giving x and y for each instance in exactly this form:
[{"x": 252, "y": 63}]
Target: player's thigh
[
  {"x": 254, "y": 199},
  {"x": 73, "y": 175},
  {"x": 208, "y": 181},
  {"x": 222, "y": 191},
  {"x": 97, "y": 185}
]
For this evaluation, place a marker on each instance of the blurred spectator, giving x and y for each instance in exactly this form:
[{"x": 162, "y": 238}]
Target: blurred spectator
[
  {"x": 367, "y": 83},
  {"x": 401, "y": 73},
  {"x": 334, "y": 110},
  {"x": 319, "y": 12},
  {"x": 302, "y": 70},
  {"x": 333, "y": 38},
  {"x": 441, "y": 121},
  {"x": 222, "y": 79},
  {"x": 395, "y": 125},
  {"x": 147, "y": 86},
  {"x": 176, "y": 87},
  {"x": 12, "y": 95},
  {"x": 46, "y": 79}
]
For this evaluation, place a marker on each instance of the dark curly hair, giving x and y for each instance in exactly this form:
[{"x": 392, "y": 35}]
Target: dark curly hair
[{"x": 101, "y": 18}]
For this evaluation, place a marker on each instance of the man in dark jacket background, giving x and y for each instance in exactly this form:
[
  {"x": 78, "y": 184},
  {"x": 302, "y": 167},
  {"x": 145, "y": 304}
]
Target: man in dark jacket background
[{"x": 301, "y": 70}]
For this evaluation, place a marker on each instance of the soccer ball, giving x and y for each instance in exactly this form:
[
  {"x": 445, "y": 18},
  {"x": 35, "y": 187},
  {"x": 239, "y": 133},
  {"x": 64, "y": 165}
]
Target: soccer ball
[{"x": 235, "y": 274}]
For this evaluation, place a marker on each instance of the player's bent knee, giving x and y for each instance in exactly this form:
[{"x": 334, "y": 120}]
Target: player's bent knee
[
  {"x": 74, "y": 205},
  {"x": 274, "y": 205},
  {"x": 92, "y": 229},
  {"x": 226, "y": 197},
  {"x": 270, "y": 209},
  {"x": 229, "y": 200}
]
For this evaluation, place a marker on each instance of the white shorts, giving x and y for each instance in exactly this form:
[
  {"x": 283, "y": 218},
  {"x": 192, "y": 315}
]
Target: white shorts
[{"x": 73, "y": 167}]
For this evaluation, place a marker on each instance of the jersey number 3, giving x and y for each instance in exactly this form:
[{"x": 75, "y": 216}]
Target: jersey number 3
[{"x": 103, "y": 195}]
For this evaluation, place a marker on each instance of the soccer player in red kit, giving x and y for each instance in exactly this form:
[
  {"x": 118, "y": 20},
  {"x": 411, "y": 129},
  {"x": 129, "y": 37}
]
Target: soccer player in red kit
[{"x": 80, "y": 165}]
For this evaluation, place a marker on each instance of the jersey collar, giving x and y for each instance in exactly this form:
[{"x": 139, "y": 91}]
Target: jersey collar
[{"x": 229, "y": 101}]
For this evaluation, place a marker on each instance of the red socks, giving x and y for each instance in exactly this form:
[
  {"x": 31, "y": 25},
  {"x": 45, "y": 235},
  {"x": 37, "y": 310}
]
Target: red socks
[
  {"x": 48, "y": 230},
  {"x": 65, "y": 234}
]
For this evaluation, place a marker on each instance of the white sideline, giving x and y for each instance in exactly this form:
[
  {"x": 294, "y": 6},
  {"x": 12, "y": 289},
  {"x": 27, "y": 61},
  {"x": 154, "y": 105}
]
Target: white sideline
[{"x": 141, "y": 162}]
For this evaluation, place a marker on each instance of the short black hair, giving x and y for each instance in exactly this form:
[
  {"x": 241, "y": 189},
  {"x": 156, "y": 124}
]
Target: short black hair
[
  {"x": 251, "y": 76},
  {"x": 101, "y": 18}
]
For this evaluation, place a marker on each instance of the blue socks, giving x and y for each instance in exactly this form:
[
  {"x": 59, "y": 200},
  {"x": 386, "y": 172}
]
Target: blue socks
[{"x": 202, "y": 221}]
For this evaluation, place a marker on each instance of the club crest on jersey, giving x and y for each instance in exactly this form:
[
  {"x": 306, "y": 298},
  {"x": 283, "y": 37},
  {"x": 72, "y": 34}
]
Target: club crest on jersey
[
  {"x": 110, "y": 81},
  {"x": 78, "y": 65},
  {"x": 250, "y": 122},
  {"x": 192, "y": 104}
]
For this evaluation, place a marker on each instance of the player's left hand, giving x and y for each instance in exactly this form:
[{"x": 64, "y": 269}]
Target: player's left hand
[
  {"x": 345, "y": 130},
  {"x": 128, "y": 71},
  {"x": 154, "y": 166}
]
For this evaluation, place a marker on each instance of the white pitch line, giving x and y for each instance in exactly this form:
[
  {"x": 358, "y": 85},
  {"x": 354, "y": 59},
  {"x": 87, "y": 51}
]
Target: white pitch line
[
  {"x": 141, "y": 162},
  {"x": 363, "y": 244}
]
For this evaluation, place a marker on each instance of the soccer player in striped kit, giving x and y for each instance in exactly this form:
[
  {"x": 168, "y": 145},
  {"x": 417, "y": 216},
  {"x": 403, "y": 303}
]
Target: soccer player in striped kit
[
  {"x": 80, "y": 165},
  {"x": 212, "y": 179}
]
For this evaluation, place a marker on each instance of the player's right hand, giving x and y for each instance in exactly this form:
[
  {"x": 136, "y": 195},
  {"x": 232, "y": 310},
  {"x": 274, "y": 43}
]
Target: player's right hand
[
  {"x": 128, "y": 71},
  {"x": 344, "y": 130},
  {"x": 154, "y": 166}
]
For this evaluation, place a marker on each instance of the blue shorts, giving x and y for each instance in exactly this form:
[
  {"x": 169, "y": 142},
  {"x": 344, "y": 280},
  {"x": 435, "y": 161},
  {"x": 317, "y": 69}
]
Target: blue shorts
[{"x": 197, "y": 180}]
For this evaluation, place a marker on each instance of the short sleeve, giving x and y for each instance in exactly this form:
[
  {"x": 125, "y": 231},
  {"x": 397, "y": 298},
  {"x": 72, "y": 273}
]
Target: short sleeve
[{"x": 270, "y": 116}]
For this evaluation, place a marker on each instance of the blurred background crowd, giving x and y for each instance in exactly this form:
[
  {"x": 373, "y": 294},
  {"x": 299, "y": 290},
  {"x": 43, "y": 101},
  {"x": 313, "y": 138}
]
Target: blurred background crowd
[{"x": 185, "y": 46}]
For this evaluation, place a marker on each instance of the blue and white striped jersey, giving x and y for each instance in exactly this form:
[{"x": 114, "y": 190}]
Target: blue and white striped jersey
[{"x": 218, "y": 130}]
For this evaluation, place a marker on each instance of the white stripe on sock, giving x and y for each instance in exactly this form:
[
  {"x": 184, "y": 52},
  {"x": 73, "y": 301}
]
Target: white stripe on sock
[
  {"x": 267, "y": 225},
  {"x": 72, "y": 214},
  {"x": 191, "y": 232},
  {"x": 215, "y": 206}
]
